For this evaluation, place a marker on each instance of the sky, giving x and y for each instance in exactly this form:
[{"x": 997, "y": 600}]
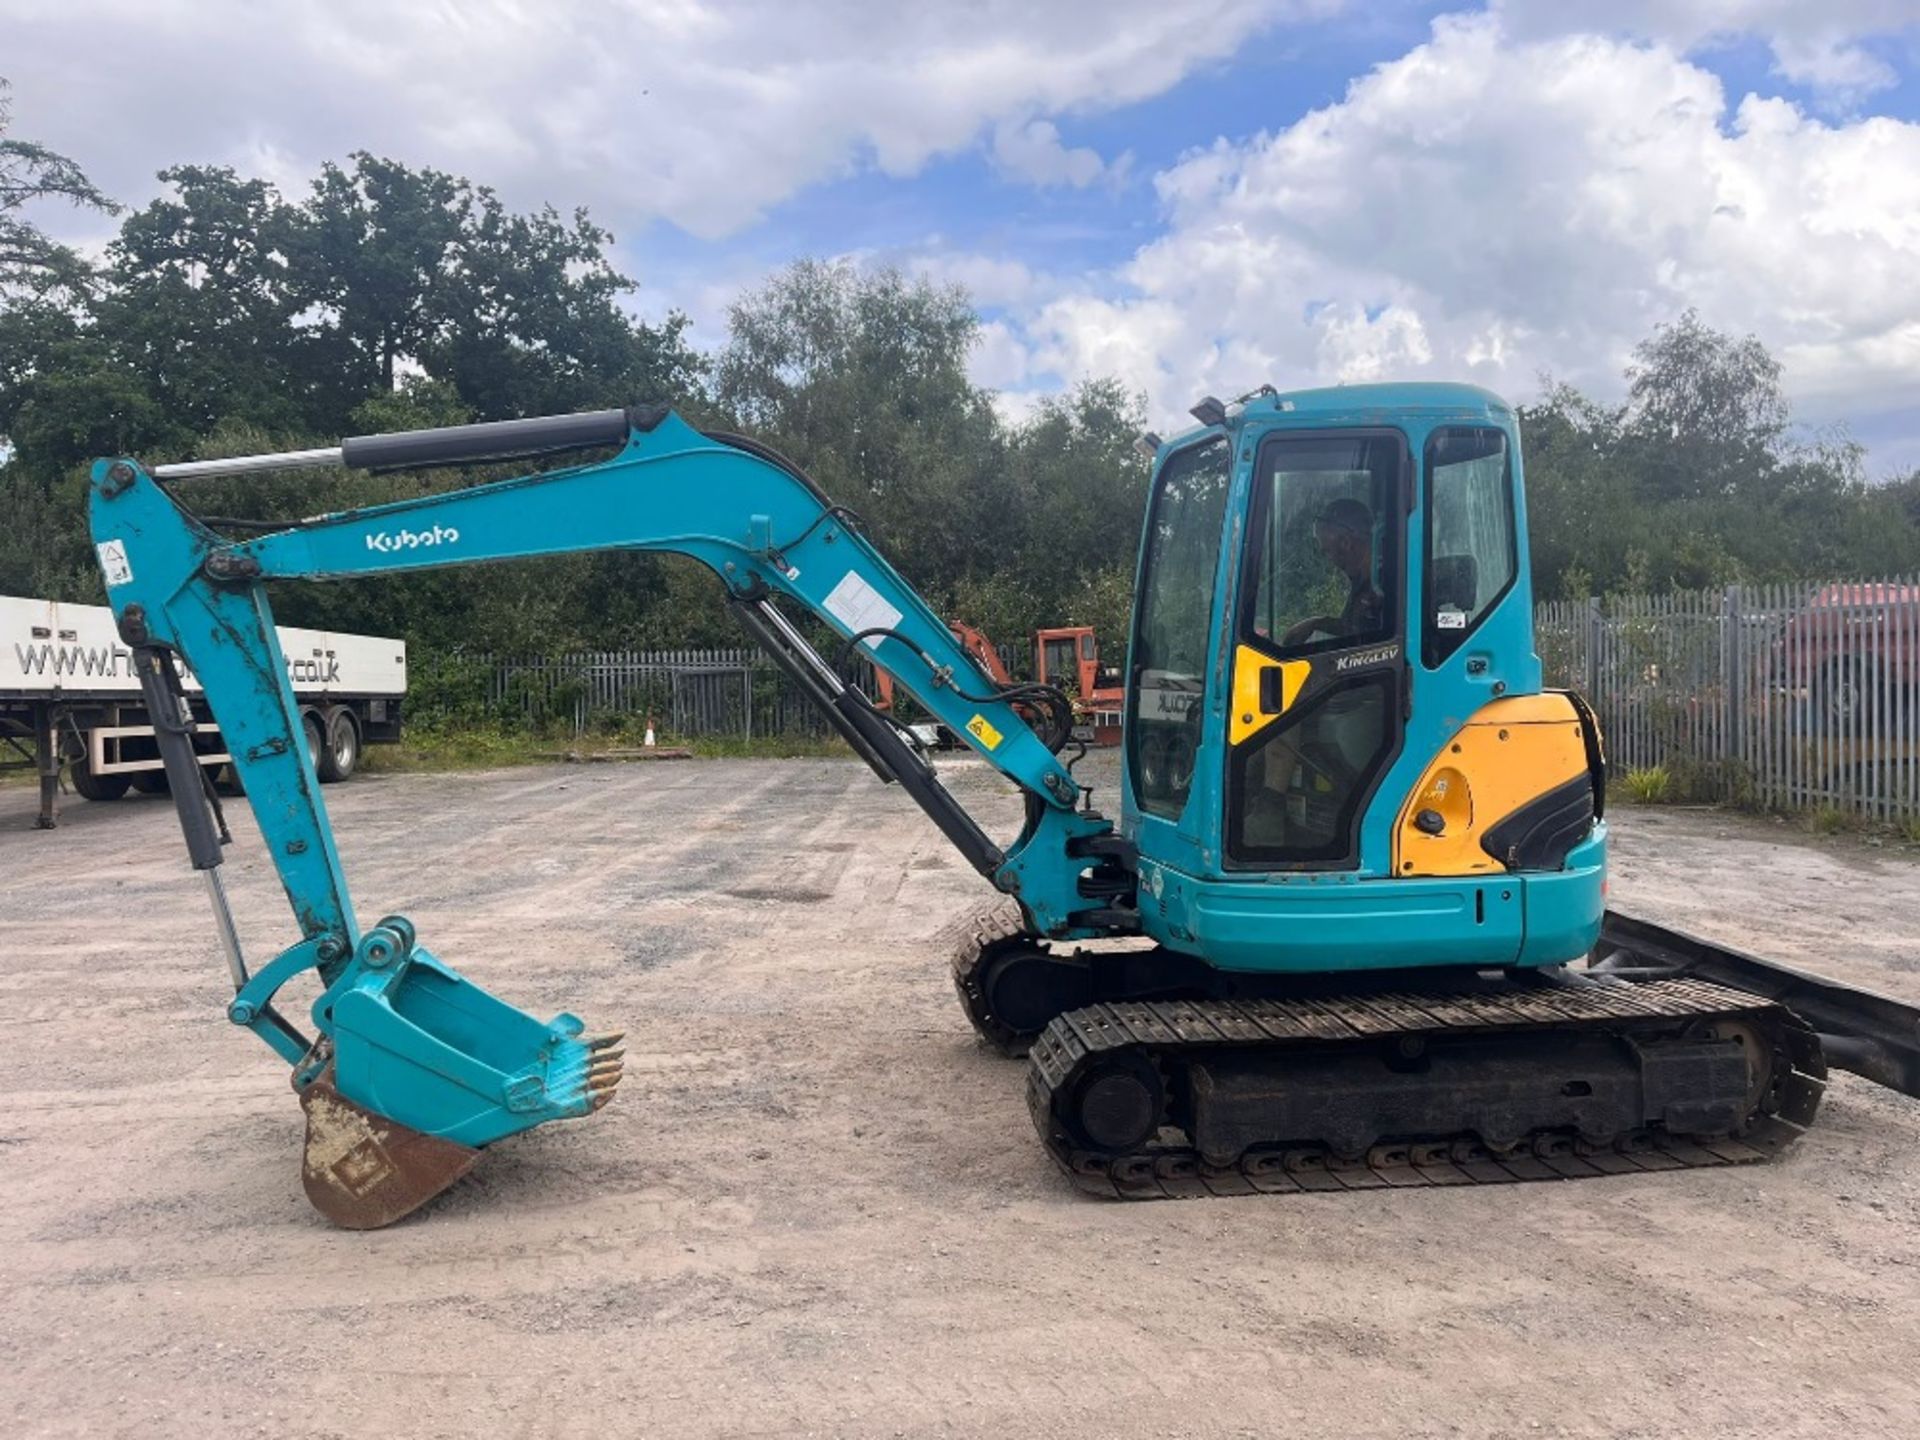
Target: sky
[{"x": 1193, "y": 197}]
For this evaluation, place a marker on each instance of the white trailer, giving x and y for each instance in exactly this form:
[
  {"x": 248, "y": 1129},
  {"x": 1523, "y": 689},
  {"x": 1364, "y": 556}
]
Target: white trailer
[{"x": 69, "y": 697}]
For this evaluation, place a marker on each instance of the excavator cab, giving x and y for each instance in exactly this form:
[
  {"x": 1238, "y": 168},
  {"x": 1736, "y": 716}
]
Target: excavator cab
[{"x": 1334, "y": 716}]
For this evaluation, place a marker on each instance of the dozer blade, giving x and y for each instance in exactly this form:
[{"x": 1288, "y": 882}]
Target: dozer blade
[
  {"x": 1871, "y": 1034},
  {"x": 363, "y": 1170}
]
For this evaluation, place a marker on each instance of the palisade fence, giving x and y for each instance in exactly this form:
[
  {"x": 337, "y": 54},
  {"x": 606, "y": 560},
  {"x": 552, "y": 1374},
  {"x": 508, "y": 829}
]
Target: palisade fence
[
  {"x": 1792, "y": 696},
  {"x": 692, "y": 694}
]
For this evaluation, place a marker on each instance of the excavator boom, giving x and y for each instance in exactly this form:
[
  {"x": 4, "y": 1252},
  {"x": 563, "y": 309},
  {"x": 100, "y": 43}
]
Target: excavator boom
[{"x": 412, "y": 1068}]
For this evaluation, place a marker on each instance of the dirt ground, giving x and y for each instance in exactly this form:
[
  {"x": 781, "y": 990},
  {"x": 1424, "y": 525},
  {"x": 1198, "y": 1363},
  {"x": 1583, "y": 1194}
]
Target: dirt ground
[{"x": 818, "y": 1207}]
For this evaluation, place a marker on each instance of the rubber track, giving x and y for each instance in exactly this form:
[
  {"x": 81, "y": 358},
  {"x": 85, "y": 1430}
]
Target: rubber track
[
  {"x": 1074, "y": 1041},
  {"x": 984, "y": 935}
]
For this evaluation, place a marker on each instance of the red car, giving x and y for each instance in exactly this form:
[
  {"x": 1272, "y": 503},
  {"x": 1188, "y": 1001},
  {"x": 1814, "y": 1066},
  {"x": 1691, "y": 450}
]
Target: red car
[{"x": 1853, "y": 647}]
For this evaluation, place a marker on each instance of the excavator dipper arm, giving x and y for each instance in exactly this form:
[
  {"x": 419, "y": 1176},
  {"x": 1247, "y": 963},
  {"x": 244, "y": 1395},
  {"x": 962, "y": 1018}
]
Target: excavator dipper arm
[{"x": 415, "y": 1067}]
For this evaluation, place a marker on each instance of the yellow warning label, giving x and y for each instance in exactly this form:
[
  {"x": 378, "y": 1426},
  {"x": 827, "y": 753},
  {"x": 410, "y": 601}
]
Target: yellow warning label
[{"x": 983, "y": 732}]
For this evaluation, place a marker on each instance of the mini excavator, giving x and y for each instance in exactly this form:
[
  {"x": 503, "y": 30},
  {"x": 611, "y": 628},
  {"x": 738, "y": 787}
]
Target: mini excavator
[{"x": 1350, "y": 928}]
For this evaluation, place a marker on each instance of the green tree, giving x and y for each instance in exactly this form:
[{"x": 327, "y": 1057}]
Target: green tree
[
  {"x": 31, "y": 262},
  {"x": 1701, "y": 479},
  {"x": 197, "y": 307},
  {"x": 1084, "y": 484},
  {"x": 861, "y": 376},
  {"x": 227, "y": 319},
  {"x": 1705, "y": 411}
]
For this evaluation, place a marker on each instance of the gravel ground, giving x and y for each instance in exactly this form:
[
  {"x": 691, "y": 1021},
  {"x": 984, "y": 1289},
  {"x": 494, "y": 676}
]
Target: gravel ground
[{"x": 818, "y": 1207}]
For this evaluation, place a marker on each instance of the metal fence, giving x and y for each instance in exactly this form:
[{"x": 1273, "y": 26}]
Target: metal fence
[
  {"x": 1788, "y": 696},
  {"x": 686, "y": 693}
]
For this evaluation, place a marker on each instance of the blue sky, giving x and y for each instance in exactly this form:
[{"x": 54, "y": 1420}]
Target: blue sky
[{"x": 1193, "y": 197}]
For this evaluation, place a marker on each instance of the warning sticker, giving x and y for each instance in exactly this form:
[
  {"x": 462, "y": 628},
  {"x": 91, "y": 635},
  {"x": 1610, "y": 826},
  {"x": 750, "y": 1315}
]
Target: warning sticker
[
  {"x": 113, "y": 562},
  {"x": 983, "y": 732},
  {"x": 858, "y": 606}
]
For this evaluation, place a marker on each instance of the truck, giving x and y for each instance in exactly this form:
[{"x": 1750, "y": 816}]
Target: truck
[{"x": 69, "y": 698}]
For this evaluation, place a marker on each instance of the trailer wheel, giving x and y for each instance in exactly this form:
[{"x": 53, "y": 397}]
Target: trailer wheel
[
  {"x": 316, "y": 736},
  {"x": 90, "y": 786},
  {"x": 342, "y": 754},
  {"x": 150, "y": 782}
]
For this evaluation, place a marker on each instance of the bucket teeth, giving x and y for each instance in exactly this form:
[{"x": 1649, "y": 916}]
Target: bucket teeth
[{"x": 604, "y": 1066}]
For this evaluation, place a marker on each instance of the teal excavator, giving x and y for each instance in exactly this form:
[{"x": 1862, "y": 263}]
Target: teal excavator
[{"x": 1359, "y": 863}]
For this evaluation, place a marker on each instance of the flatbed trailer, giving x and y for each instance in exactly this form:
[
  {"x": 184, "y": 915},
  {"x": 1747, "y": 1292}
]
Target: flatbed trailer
[{"x": 69, "y": 700}]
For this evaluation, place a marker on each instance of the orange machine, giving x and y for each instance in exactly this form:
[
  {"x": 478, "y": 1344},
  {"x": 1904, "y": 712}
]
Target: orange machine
[
  {"x": 1067, "y": 656},
  {"x": 973, "y": 641}
]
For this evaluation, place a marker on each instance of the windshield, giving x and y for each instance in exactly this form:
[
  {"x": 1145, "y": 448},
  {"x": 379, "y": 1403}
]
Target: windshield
[{"x": 1171, "y": 624}]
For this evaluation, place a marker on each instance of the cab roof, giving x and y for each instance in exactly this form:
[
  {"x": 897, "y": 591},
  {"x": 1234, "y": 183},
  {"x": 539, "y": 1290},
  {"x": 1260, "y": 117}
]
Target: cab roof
[{"x": 1370, "y": 405}]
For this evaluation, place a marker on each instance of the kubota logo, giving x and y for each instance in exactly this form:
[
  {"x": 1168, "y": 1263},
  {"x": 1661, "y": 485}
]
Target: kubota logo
[{"x": 388, "y": 542}]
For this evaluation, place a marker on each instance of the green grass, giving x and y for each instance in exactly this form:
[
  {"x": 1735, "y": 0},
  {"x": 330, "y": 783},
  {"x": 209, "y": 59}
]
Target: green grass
[
  {"x": 774, "y": 747},
  {"x": 425, "y": 748},
  {"x": 1649, "y": 786},
  {"x": 1831, "y": 820}
]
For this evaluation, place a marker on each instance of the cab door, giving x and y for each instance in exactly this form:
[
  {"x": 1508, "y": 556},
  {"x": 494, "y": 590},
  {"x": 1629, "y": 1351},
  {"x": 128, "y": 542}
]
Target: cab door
[{"x": 1319, "y": 683}]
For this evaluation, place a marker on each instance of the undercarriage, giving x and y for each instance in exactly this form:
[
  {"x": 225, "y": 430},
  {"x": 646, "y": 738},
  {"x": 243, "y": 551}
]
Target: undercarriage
[{"x": 1154, "y": 1076}]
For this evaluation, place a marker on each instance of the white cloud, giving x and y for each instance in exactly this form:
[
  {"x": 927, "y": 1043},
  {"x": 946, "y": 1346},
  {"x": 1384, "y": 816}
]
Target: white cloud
[
  {"x": 1354, "y": 346},
  {"x": 1031, "y": 151},
  {"x": 1842, "y": 72},
  {"x": 1486, "y": 207},
  {"x": 1815, "y": 43},
  {"x": 702, "y": 113},
  {"x": 1017, "y": 407},
  {"x": 991, "y": 281},
  {"x": 1000, "y": 360}
]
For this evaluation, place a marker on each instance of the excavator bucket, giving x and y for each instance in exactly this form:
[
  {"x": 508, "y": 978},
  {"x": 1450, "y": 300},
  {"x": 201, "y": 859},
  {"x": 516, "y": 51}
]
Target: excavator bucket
[
  {"x": 421, "y": 1070},
  {"x": 362, "y": 1170}
]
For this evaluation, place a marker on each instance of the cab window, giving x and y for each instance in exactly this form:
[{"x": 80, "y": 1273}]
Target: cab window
[
  {"x": 1324, "y": 541},
  {"x": 1059, "y": 658},
  {"x": 1172, "y": 623},
  {"x": 1471, "y": 559}
]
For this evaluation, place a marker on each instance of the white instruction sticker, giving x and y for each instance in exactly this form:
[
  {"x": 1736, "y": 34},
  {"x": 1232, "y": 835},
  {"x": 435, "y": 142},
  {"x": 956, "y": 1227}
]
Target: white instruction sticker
[
  {"x": 113, "y": 562},
  {"x": 858, "y": 606},
  {"x": 1450, "y": 619}
]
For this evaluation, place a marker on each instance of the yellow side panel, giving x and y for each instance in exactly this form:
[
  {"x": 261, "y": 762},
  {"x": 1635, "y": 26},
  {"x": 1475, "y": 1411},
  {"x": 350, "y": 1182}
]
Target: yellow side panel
[
  {"x": 1248, "y": 666},
  {"x": 1509, "y": 753}
]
